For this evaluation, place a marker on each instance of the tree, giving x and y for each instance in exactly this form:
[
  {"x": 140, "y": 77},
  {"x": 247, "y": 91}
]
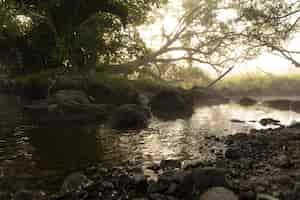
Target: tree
[
  {"x": 218, "y": 34},
  {"x": 72, "y": 33},
  {"x": 221, "y": 34}
]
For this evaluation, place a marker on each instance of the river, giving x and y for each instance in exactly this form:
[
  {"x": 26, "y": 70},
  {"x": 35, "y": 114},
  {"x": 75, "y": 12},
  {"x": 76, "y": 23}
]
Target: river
[{"x": 30, "y": 150}]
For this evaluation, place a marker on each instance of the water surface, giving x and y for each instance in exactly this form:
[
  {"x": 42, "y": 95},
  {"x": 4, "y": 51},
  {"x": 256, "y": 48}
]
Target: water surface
[{"x": 33, "y": 150}]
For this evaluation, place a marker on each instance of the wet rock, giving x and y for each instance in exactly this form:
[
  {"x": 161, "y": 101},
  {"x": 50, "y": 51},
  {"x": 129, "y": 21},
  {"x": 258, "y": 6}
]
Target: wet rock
[
  {"x": 217, "y": 193},
  {"x": 247, "y": 101},
  {"x": 170, "y": 105},
  {"x": 156, "y": 187},
  {"x": 281, "y": 104},
  {"x": 161, "y": 197},
  {"x": 74, "y": 182},
  {"x": 233, "y": 153},
  {"x": 71, "y": 97},
  {"x": 42, "y": 112},
  {"x": 199, "y": 180},
  {"x": 140, "y": 181},
  {"x": 130, "y": 116},
  {"x": 154, "y": 167},
  {"x": 285, "y": 180},
  {"x": 231, "y": 139},
  {"x": 192, "y": 163},
  {"x": 157, "y": 196},
  {"x": 237, "y": 121},
  {"x": 201, "y": 96},
  {"x": 294, "y": 124},
  {"x": 24, "y": 195},
  {"x": 263, "y": 196},
  {"x": 143, "y": 100},
  {"x": 172, "y": 188},
  {"x": 248, "y": 195},
  {"x": 170, "y": 164},
  {"x": 139, "y": 178},
  {"x": 116, "y": 92},
  {"x": 69, "y": 82},
  {"x": 4, "y": 195},
  {"x": 269, "y": 121},
  {"x": 296, "y": 106},
  {"x": 282, "y": 161},
  {"x": 289, "y": 195},
  {"x": 66, "y": 106},
  {"x": 108, "y": 185},
  {"x": 171, "y": 176},
  {"x": 29, "y": 195}
]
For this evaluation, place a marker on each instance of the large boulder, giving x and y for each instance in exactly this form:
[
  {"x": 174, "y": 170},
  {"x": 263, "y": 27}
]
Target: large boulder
[
  {"x": 117, "y": 92},
  {"x": 129, "y": 117},
  {"x": 59, "y": 99},
  {"x": 67, "y": 105},
  {"x": 171, "y": 104},
  {"x": 201, "y": 96}
]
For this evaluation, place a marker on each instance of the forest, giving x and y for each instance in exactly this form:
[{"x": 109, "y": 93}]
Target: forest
[{"x": 149, "y": 100}]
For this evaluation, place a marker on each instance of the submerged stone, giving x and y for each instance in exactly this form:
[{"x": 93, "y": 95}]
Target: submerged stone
[
  {"x": 130, "y": 117},
  {"x": 269, "y": 121}
]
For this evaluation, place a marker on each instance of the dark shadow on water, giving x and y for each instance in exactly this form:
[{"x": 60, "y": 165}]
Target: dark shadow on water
[{"x": 65, "y": 147}]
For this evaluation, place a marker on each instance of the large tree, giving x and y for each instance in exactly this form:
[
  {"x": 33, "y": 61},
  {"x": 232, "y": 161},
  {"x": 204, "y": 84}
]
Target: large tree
[
  {"x": 210, "y": 33},
  {"x": 69, "y": 32}
]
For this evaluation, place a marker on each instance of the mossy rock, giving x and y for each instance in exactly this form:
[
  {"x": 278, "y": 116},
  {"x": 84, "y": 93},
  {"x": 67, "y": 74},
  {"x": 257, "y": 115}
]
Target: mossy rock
[
  {"x": 115, "y": 92},
  {"x": 171, "y": 104}
]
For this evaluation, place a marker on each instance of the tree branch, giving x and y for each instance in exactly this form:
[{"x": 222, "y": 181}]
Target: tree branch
[{"x": 220, "y": 77}]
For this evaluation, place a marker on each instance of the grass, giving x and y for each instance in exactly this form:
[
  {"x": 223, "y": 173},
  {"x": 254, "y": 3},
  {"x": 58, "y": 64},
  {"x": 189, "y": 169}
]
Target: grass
[{"x": 262, "y": 84}]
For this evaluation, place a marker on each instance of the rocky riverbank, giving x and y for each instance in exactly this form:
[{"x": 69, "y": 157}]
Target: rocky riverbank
[
  {"x": 76, "y": 98},
  {"x": 264, "y": 165}
]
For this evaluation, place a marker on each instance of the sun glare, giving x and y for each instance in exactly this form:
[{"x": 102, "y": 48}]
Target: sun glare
[
  {"x": 226, "y": 15},
  {"x": 167, "y": 22}
]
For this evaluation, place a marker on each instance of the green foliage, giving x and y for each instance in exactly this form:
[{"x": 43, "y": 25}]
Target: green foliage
[
  {"x": 77, "y": 34},
  {"x": 82, "y": 34}
]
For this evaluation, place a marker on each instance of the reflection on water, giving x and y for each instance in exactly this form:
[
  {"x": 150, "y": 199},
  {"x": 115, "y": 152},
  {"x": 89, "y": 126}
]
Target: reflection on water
[
  {"x": 33, "y": 150},
  {"x": 64, "y": 147},
  {"x": 217, "y": 119}
]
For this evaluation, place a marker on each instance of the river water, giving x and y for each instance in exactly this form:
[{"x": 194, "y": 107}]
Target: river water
[{"x": 32, "y": 150}]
